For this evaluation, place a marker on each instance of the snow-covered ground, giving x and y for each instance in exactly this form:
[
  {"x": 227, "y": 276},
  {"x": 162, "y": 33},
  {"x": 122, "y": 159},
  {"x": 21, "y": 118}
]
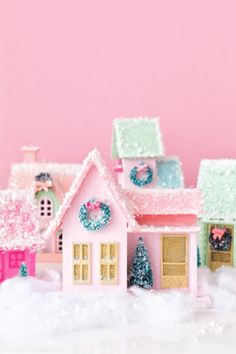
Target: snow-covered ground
[{"x": 36, "y": 317}]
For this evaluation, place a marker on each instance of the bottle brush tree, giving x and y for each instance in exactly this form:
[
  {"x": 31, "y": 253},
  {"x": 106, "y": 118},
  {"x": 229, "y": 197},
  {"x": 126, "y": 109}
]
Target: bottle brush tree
[
  {"x": 140, "y": 273},
  {"x": 198, "y": 258},
  {"x": 23, "y": 271}
]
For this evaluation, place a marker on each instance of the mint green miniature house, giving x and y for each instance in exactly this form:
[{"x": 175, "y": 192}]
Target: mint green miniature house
[{"x": 217, "y": 181}]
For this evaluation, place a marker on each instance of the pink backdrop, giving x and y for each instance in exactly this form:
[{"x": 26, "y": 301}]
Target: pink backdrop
[{"x": 68, "y": 67}]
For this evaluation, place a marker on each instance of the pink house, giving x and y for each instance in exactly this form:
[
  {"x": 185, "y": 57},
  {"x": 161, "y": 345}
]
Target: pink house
[
  {"x": 102, "y": 223},
  {"x": 19, "y": 234},
  {"x": 167, "y": 222},
  {"x": 94, "y": 218},
  {"x": 48, "y": 183}
]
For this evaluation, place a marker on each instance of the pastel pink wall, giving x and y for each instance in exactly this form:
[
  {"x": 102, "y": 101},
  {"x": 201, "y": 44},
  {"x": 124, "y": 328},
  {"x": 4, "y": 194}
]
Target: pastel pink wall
[
  {"x": 67, "y": 67},
  {"x": 94, "y": 186}
]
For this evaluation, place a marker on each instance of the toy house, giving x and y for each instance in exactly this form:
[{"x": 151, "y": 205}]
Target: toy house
[
  {"x": 19, "y": 234},
  {"x": 217, "y": 181},
  {"x": 48, "y": 182},
  {"x": 138, "y": 146},
  {"x": 94, "y": 220},
  {"x": 102, "y": 223},
  {"x": 166, "y": 219}
]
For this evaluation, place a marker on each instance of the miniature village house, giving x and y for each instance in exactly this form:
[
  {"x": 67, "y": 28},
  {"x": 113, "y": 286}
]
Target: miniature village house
[
  {"x": 102, "y": 224},
  {"x": 19, "y": 234},
  {"x": 138, "y": 146},
  {"x": 48, "y": 182},
  {"x": 217, "y": 181},
  {"x": 94, "y": 220},
  {"x": 166, "y": 219}
]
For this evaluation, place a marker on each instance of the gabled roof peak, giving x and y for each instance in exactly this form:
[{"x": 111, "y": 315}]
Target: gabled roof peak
[{"x": 93, "y": 159}]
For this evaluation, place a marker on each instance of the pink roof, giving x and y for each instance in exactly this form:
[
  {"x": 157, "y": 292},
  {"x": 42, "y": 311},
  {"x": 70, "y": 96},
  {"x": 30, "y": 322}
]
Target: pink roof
[
  {"x": 19, "y": 228},
  {"x": 93, "y": 159},
  {"x": 22, "y": 176},
  {"x": 165, "y": 201}
]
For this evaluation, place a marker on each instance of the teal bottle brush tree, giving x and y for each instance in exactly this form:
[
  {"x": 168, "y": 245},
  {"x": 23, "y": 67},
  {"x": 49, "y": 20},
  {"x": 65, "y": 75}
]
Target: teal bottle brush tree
[
  {"x": 198, "y": 258},
  {"x": 140, "y": 273},
  {"x": 23, "y": 271}
]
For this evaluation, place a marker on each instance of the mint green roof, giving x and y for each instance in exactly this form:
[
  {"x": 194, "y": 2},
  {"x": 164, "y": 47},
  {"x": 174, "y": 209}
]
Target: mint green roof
[
  {"x": 136, "y": 137},
  {"x": 217, "y": 180}
]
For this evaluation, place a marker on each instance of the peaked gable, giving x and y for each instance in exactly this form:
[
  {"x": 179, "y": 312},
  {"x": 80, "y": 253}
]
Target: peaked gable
[{"x": 93, "y": 159}]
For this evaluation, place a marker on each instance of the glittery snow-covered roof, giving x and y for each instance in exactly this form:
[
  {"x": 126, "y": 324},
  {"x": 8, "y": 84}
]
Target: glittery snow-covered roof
[
  {"x": 19, "y": 228},
  {"x": 217, "y": 181},
  {"x": 165, "y": 201},
  {"x": 22, "y": 175},
  {"x": 137, "y": 137},
  {"x": 93, "y": 159}
]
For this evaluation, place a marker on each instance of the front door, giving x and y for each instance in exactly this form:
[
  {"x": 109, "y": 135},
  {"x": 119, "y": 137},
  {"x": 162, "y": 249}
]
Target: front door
[
  {"x": 220, "y": 246},
  {"x": 1, "y": 267},
  {"x": 174, "y": 261}
]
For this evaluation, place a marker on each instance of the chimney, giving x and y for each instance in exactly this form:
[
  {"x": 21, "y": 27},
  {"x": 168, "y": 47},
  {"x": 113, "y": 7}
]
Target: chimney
[{"x": 30, "y": 153}]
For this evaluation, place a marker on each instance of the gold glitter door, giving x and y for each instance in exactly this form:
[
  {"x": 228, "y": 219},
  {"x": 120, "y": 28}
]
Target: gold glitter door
[{"x": 174, "y": 261}]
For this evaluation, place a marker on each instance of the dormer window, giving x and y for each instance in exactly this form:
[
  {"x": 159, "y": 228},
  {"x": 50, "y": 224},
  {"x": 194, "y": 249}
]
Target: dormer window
[{"x": 46, "y": 208}]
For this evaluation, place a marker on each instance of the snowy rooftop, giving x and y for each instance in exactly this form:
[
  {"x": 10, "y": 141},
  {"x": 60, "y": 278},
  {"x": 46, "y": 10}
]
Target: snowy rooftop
[
  {"x": 22, "y": 175},
  {"x": 217, "y": 181},
  {"x": 18, "y": 223},
  {"x": 165, "y": 201},
  {"x": 137, "y": 137}
]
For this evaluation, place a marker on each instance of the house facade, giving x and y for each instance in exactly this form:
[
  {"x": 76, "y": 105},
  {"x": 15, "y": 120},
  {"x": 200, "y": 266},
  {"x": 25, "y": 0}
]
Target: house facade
[
  {"x": 94, "y": 220},
  {"x": 167, "y": 222},
  {"x": 48, "y": 183},
  {"x": 99, "y": 257},
  {"x": 19, "y": 233},
  {"x": 216, "y": 181}
]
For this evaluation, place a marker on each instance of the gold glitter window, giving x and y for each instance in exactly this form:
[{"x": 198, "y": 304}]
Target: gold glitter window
[
  {"x": 108, "y": 263},
  {"x": 81, "y": 263}
]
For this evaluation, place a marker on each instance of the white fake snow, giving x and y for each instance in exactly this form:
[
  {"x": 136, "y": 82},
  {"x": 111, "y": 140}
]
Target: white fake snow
[{"x": 36, "y": 317}]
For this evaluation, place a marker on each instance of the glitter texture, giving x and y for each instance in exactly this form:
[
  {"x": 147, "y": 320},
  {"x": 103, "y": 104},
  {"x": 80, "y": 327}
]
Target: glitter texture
[
  {"x": 140, "y": 182},
  {"x": 19, "y": 227},
  {"x": 217, "y": 181},
  {"x": 137, "y": 137},
  {"x": 93, "y": 225}
]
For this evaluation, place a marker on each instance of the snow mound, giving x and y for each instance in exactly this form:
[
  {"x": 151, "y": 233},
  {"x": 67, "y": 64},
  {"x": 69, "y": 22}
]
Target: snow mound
[{"x": 35, "y": 316}]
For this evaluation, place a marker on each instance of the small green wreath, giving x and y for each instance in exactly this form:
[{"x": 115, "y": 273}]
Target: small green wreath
[
  {"x": 97, "y": 223},
  {"x": 147, "y": 175}
]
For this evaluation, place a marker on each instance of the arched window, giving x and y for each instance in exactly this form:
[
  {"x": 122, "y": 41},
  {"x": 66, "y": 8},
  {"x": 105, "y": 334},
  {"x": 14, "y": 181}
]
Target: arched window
[{"x": 46, "y": 209}]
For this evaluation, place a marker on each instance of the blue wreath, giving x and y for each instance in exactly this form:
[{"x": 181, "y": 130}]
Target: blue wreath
[
  {"x": 94, "y": 225},
  {"x": 142, "y": 181}
]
